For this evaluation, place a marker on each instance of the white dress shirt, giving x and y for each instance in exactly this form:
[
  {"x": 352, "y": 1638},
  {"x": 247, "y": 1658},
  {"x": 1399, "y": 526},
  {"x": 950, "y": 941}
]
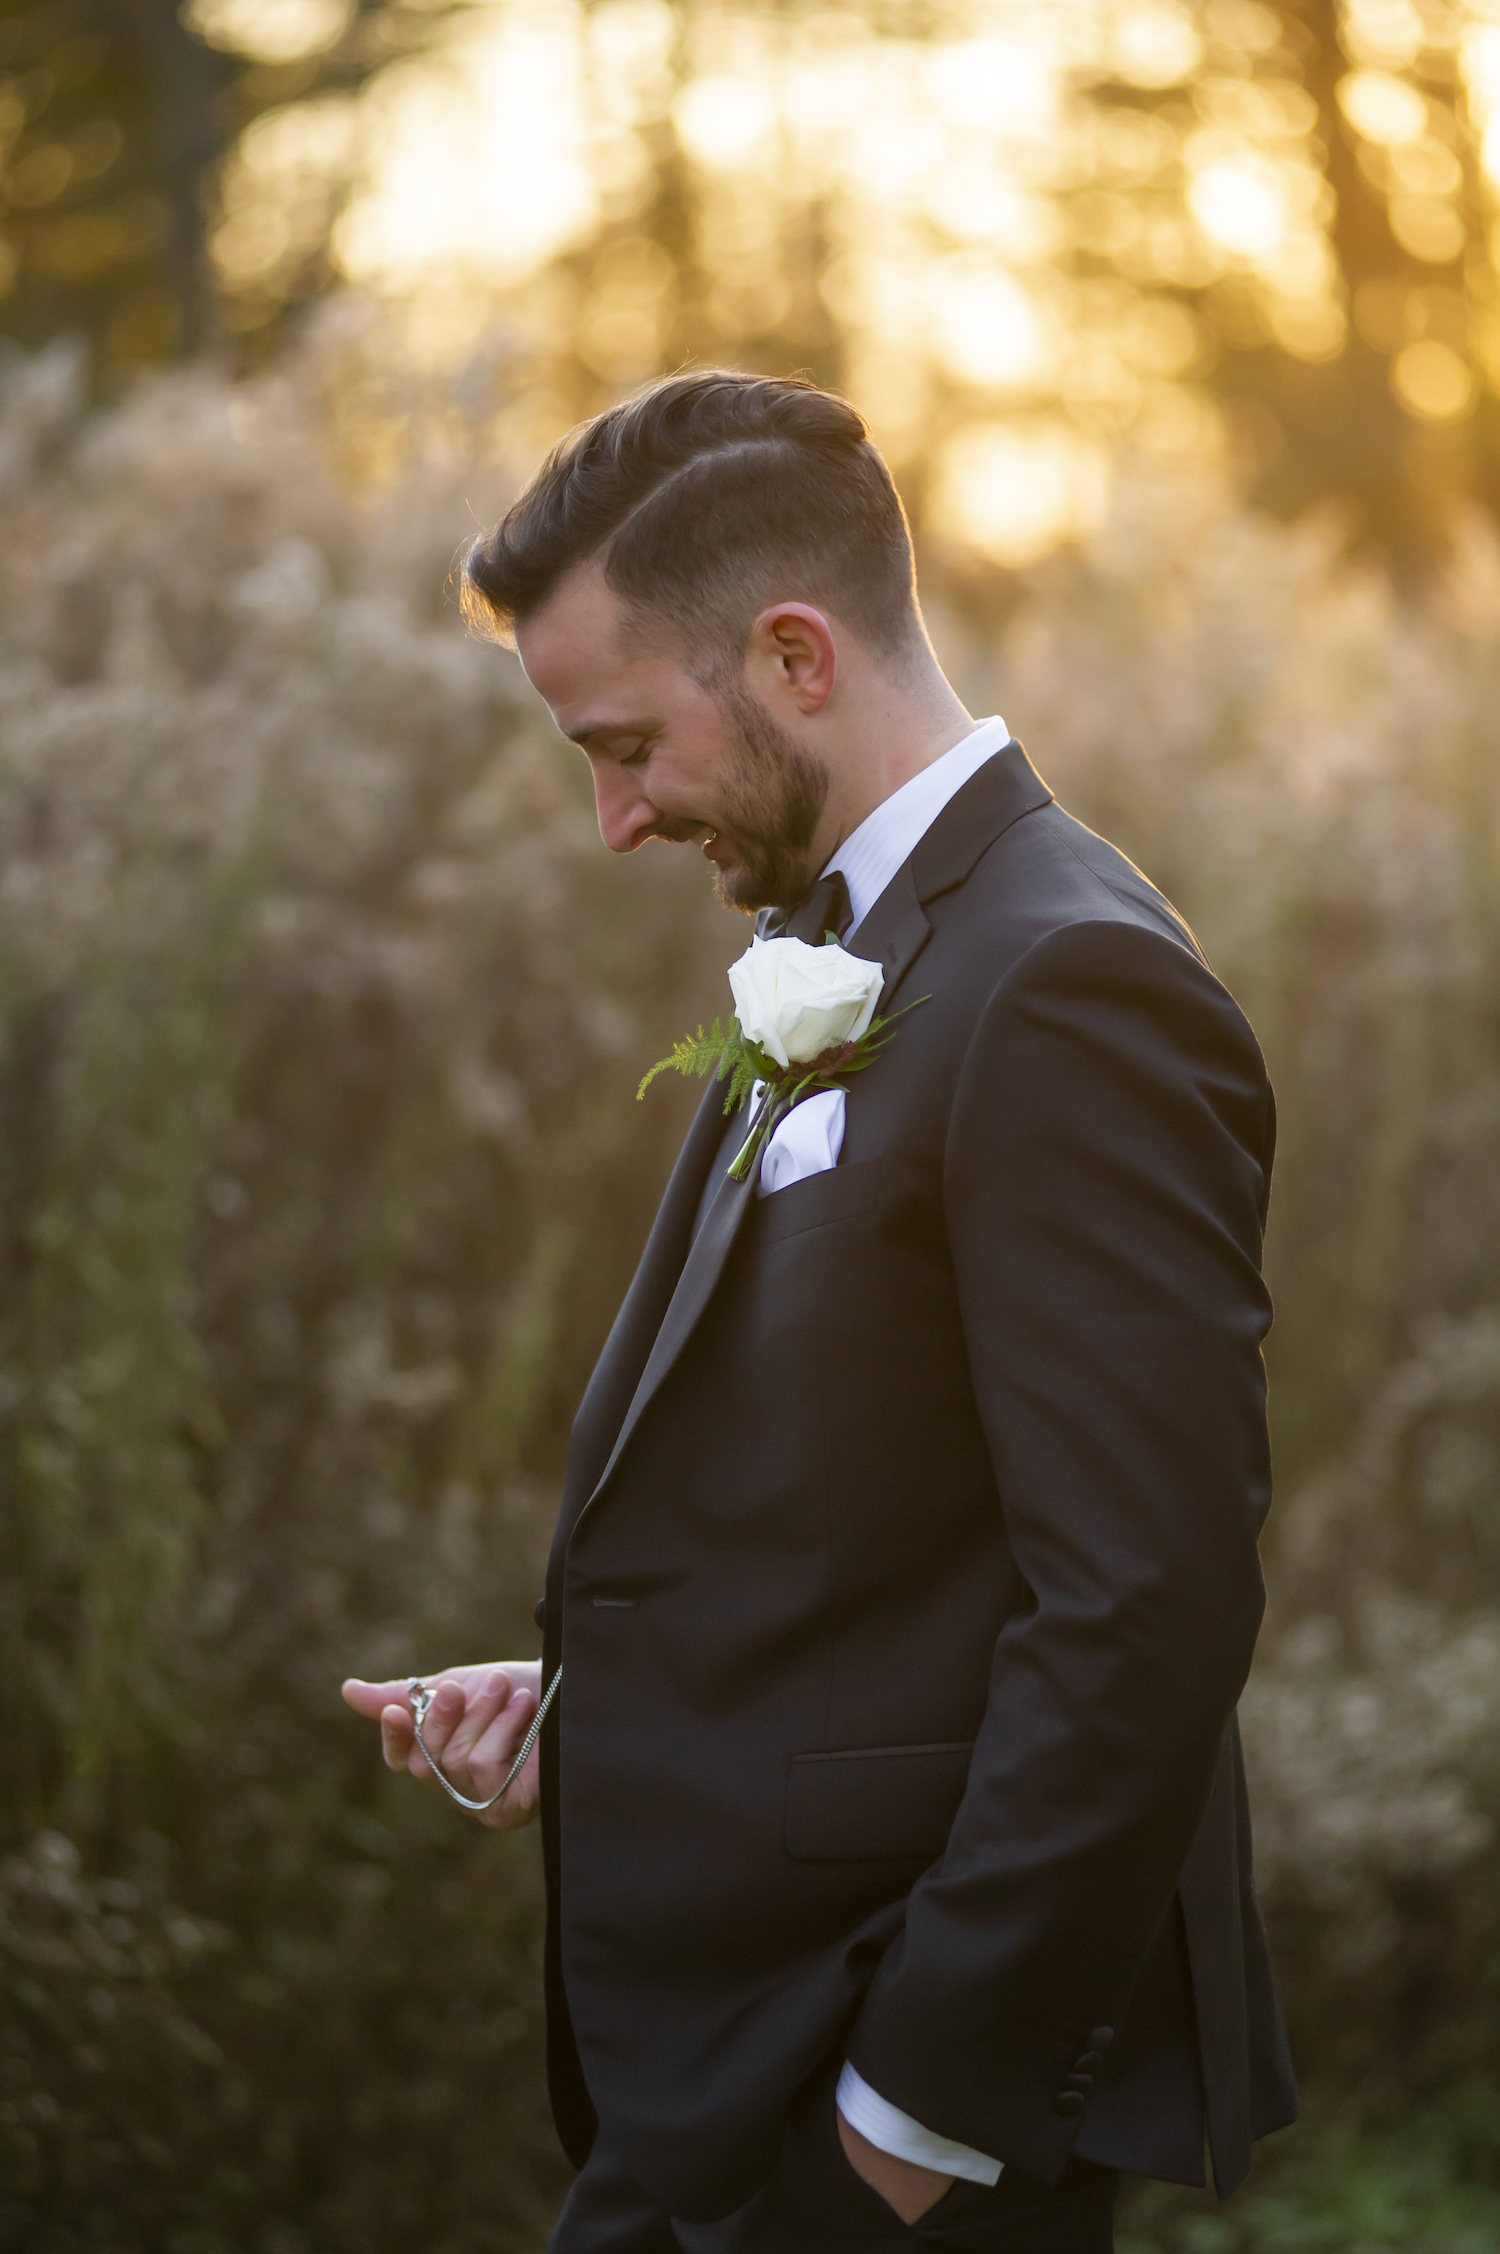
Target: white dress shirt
[
  {"x": 809, "y": 1139},
  {"x": 868, "y": 858},
  {"x": 905, "y": 2139}
]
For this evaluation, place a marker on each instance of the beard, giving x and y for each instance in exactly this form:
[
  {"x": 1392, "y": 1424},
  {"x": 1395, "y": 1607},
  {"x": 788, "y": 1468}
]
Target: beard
[{"x": 772, "y": 795}]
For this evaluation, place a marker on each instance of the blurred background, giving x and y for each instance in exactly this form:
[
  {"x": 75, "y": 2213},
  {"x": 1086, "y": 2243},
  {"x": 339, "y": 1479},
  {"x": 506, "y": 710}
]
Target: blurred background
[{"x": 322, "y": 1008}]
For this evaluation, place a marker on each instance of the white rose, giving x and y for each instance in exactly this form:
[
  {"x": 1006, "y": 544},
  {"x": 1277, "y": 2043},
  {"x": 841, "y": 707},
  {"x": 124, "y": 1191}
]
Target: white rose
[{"x": 797, "y": 1000}]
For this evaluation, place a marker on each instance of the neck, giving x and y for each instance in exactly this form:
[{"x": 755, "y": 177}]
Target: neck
[{"x": 887, "y": 733}]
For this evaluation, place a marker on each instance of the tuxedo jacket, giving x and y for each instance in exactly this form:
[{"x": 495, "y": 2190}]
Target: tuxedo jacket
[{"x": 906, "y": 1575}]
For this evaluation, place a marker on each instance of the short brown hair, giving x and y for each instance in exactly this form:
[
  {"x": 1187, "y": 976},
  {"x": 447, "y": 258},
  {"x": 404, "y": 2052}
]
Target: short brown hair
[{"x": 707, "y": 497}]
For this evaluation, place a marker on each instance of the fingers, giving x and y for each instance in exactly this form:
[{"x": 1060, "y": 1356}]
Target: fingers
[
  {"x": 475, "y": 1741},
  {"x": 398, "y": 1742},
  {"x": 455, "y": 1725},
  {"x": 480, "y": 1709},
  {"x": 472, "y": 1730},
  {"x": 371, "y": 1699},
  {"x": 399, "y": 1735},
  {"x": 491, "y": 1759},
  {"x": 390, "y": 1706}
]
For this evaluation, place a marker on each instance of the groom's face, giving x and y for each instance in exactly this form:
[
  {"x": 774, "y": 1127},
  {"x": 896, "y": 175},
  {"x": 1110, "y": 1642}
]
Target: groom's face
[{"x": 672, "y": 759}]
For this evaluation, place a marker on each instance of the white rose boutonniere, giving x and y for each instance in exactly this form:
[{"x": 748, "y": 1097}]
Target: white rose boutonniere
[
  {"x": 797, "y": 1001},
  {"x": 804, "y": 1019}
]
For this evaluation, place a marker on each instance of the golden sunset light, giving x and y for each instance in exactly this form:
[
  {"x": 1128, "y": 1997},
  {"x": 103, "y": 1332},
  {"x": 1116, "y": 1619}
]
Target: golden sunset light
[{"x": 498, "y": 495}]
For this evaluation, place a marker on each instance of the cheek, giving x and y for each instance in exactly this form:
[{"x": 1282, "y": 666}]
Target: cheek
[
  {"x": 680, "y": 785},
  {"x": 692, "y": 764}
]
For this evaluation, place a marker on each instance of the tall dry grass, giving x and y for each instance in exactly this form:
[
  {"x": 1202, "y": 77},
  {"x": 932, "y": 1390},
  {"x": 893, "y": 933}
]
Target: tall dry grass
[{"x": 321, "y": 1010}]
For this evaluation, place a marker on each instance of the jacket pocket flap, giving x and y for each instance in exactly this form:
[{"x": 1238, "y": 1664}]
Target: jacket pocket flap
[
  {"x": 877, "y": 1803},
  {"x": 835, "y": 1194}
]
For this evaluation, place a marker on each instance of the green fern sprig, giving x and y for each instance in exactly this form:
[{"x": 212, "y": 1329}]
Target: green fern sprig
[
  {"x": 693, "y": 1057},
  {"x": 722, "y": 1051}
]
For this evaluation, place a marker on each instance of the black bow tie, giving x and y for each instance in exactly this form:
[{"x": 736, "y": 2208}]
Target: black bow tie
[{"x": 825, "y": 909}]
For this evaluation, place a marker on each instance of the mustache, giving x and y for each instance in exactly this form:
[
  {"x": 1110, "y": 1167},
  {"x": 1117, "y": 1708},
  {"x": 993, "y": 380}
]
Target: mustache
[{"x": 682, "y": 832}]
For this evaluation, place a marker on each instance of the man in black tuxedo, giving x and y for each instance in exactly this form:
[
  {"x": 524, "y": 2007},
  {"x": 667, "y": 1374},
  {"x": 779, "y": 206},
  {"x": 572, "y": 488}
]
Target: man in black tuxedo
[{"x": 906, "y": 1579}]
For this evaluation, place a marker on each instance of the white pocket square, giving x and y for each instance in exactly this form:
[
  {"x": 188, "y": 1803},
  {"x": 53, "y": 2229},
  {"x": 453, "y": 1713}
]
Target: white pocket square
[{"x": 808, "y": 1141}]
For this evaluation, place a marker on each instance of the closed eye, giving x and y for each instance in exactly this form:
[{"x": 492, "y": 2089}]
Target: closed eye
[{"x": 625, "y": 751}]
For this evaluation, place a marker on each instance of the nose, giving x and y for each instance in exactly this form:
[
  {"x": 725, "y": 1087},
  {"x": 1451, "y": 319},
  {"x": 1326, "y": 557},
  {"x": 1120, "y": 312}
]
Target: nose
[{"x": 627, "y": 816}]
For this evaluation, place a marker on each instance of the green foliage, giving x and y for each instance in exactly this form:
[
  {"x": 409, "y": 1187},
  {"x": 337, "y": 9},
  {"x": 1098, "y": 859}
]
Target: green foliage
[
  {"x": 1424, "y": 2182},
  {"x": 722, "y": 1051},
  {"x": 301, "y": 2073}
]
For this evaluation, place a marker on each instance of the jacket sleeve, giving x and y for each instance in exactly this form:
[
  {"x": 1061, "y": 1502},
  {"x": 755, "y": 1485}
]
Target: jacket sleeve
[{"x": 1105, "y": 1186}]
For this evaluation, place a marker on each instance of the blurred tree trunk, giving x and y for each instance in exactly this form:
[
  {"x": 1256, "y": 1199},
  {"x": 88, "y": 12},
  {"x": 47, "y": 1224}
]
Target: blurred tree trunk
[
  {"x": 187, "y": 84},
  {"x": 117, "y": 114},
  {"x": 115, "y": 120}
]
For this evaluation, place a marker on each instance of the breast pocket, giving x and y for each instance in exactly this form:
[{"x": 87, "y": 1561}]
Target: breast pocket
[
  {"x": 835, "y": 1195},
  {"x": 880, "y": 1803}
]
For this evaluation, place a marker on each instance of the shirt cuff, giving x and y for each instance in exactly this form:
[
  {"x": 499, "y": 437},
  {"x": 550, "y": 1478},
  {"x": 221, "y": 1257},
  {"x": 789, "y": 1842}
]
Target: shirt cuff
[{"x": 905, "y": 2139}]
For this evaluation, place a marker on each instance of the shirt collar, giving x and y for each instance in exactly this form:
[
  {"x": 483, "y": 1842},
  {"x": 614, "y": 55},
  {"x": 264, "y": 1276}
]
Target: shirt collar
[{"x": 870, "y": 856}]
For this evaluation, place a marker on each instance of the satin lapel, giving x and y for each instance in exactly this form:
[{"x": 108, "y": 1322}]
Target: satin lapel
[
  {"x": 896, "y": 929},
  {"x": 617, "y": 1371},
  {"x": 893, "y": 934},
  {"x": 1003, "y": 789},
  {"x": 700, "y": 1273}
]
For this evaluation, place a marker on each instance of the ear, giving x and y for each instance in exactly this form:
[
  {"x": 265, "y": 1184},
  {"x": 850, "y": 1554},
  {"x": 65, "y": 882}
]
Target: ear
[{"x": 792, "y": 650}]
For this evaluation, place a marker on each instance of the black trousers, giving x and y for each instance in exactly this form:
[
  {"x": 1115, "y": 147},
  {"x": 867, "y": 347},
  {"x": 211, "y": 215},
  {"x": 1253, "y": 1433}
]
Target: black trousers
[{"x": 816, "y": 2204}]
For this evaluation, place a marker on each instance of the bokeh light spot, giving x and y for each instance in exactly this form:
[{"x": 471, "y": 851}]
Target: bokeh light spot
[
  {"x": 478, "y": 156},
  {"x": 1240, "y": 203},
  {"x": 1012, "y": 491},
  {"x": 1427, "y": 227},
  {"x": 1387, "y": 32},
  {"x": 726, "y": 123},
  {"x": 272, "y": 31},
  {"x": 1154, "y": 46},
  {"x": 988, "y": 329},
  {"x": 1383, "y": 109},
  {"x": 992, "y": 84},
  {"x": 1432, "y": 382}
]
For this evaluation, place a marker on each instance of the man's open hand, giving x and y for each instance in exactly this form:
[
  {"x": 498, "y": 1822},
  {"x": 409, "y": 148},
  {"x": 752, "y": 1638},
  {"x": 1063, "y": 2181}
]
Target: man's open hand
[{"x": 474, "y": 1728}]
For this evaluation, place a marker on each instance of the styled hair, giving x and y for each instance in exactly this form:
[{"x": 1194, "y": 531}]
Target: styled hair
[{"x": 708, "y": 496}]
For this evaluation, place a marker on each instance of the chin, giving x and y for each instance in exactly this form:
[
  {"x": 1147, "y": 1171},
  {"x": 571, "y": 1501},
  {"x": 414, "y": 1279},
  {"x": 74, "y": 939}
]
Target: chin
[
  {"x": 736, "y": 887},
  {"x": 768, "y": 879}
]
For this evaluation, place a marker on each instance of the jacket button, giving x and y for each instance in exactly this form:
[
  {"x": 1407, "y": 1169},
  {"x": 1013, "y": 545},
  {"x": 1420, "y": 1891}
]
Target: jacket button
[
  {"x": 539, "y": 1612},
  {"x": 1068, "y": 2101},
  {"x": 1100, "y": 2038},
  {"x": 1090, "y": 2062}
]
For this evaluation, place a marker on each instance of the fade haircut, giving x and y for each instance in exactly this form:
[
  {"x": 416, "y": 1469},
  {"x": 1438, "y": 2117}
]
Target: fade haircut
[{"x": 706, "y": 497}]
